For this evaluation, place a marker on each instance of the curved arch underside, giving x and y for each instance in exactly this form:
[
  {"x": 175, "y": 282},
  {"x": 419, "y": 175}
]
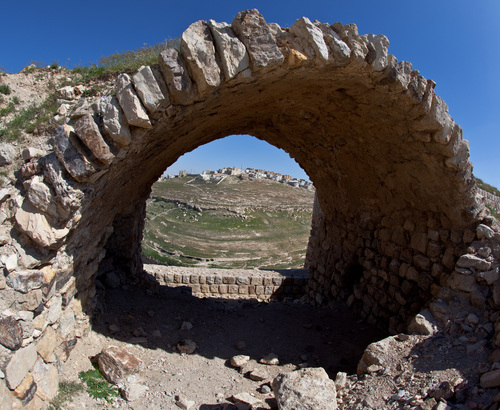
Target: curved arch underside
[{"x": 396, "y": 200}]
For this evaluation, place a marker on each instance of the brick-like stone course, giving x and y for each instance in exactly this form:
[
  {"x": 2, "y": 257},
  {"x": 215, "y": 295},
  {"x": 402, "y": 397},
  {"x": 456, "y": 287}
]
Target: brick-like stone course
[{"x": 234, "y": 283}]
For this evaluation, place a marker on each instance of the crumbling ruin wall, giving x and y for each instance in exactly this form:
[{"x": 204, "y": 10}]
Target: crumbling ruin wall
[{"x": 397, "y": 225}]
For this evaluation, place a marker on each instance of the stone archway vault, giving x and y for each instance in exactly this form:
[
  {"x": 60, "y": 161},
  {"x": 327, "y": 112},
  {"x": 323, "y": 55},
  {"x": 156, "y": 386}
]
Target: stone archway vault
[{"x": 396, "y": 205}]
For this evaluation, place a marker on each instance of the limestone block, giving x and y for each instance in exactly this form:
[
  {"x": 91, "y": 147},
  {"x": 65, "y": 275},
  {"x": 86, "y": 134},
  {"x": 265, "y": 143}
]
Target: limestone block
[
  {"x": 25, "y": 281},
  {"x": 46, "y": 344},
  {"x": 46, "y": 378},
  {"x": 176, "y": 76},
  {"x": 35, "y": 225},
  {"x": 339, "y": 50},
  {"x": 198, "y": 50},
  {"x": 41, "y": 197},
  {"x": 131, "y": 105},
  {"x": 253, "y": 31},
  {"x": 116, "y": 363},
  {"x": 423, "y": 324},
  {"x": 68, "y": 196},
  {"x": 88, "y": 131},
  {"x": 377, "y": 353},
  {"x": 114, "y": 121},
  {"x": 472, "y": 261},
  {"x": 304, "y": 29},
  {"x": 75, "y": 163},
  {"x": 67, "y": 323},
  {"x": 377, "y": 50},
  {"x": 233, "y": 53},
  {"x": 11, "y": 332},
  {"x": 54, "y": 306},
  {"x": 306, "y": 389},
  {"x": 26, "y": 390},
  {"x": 357, "y": 44},
  {"x": 31, "y": 152},
  {"x": 246, "y": 398},
  {"x": 150, "y": 91},
  {"x": 465, "y": 283},
  {"x": 484, "y": 231},
  {"x": 19, "y": 365},
  {"x": 8, "y": 153}
]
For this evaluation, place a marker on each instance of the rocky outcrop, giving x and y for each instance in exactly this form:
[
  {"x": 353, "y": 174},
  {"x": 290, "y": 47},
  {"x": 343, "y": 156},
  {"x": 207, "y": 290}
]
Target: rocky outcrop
[{"x": 397, "y": 224}]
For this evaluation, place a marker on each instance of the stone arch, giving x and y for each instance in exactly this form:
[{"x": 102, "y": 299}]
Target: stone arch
[{"x": 396, "y": 199}]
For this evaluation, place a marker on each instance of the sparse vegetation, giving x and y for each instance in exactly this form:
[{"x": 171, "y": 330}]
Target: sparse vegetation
[
  {"x": 5, "y": 89},
  {"x": 66, "y": 391},
  {"x": 123, "y": 62},
  {"x": 234, "y": 224},
  {"x": 54, "y": 65},
  {"x": 97, "y": 386},
  {"x": 487, "y": 187},
  {"x": 29, "y": 118}
]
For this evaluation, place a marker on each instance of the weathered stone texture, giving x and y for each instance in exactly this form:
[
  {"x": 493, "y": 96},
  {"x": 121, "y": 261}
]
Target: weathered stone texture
[
  {"x": 131, "y": 105},
  {"x": 176, "y": 76},
  {"x": 253, "y": 31},
  {"x": 305, "y": 389},
  {"x": 198, "y": 50},
  {"x": 88, "y": 131},
  {"x": 151, "y": 90}
]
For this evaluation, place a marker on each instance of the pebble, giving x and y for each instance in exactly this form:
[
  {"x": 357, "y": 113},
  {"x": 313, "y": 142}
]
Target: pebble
[
  {"x": 186, "y": 326},
  {"x": 114, "y": 328},
  {"x": 265, "y": 389},
  {"x": 239, "y": 360},
  {"x": 271, "y": 359},
  {"x": 186, "y": 346}
]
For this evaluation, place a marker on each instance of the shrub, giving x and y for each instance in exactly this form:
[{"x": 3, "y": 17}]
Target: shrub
[
  {"x": 54, "y": 65},
  {"x": 5, "y": 89},
  {"x": 123, "y": 62}
]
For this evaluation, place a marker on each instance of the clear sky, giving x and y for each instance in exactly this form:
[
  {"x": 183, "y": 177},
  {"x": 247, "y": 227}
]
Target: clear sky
[{"x": 455, "y": 43}]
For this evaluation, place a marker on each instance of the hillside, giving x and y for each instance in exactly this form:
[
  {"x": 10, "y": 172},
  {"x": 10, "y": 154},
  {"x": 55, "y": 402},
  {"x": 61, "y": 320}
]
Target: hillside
[{"x": 232, "y": 224}]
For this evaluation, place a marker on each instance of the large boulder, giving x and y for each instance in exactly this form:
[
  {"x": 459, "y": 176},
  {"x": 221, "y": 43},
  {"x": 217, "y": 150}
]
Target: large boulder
[{"x": 305, "y": 389}]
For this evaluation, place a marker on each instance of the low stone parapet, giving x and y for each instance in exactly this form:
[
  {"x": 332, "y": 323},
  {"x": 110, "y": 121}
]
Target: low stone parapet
[{"x": 258, "y": 284}]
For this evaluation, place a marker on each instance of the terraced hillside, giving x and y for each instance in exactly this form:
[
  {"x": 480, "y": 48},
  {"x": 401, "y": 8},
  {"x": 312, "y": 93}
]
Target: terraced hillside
[{"x": 235, "y": 223}]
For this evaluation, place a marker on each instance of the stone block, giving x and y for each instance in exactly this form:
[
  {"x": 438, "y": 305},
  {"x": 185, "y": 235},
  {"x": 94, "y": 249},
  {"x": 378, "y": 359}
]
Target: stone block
[
  {"x": 19, "y": 365},
  {"x": 117, "y": 363},
  {"x": 197, "y": 48},
  {"x": 130, "y": 103},
  {"x": 310, "y": 385},
  {"x": 88, "y": 131},
  {"x": 176, "y": 76},
  {"x": 26, "y": 390},
  {"x": 255, "y": 34},
  {"x": 229, "y": 280},
  {"x": 11, "y": 332},
  {"x": 223, "y": 289},
  {"x": 233, "y": 289},
  {"x": 151, "y": 90},
  {"x": 114, "y": 122},
  {"x": 46, "y": 345}
]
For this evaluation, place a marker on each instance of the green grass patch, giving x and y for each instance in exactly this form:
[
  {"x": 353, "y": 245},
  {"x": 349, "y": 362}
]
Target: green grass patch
[
  {"x": 29, "y": 118},
  {"x": 66, "y": 392},
  {"x": 487, "y": 187},
  {"x": 97, "y": 386},
  {"x": 5, "y": 89},
  {"x": 122, "y": 62}
]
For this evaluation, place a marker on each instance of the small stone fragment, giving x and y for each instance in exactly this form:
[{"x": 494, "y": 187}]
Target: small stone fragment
[
  {"x": 247, "y": 398},
  {"x": 271, "y": 359},
  {"x": 133, "y": 391},
  {"x": 258, "y": 375},
  {"x": 184, "y": 403},
  {"x": 239, "y": 361},
  {"x": 186, "y": 346},
  {"x": 186, "y": 326}
]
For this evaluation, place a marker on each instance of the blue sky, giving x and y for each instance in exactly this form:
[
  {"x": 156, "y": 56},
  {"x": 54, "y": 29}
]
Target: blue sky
[{"x": 455, "y": 43}]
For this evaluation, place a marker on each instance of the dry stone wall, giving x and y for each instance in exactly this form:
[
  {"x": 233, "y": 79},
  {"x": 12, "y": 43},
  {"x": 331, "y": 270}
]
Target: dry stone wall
[{"x": 397, "y": 224}]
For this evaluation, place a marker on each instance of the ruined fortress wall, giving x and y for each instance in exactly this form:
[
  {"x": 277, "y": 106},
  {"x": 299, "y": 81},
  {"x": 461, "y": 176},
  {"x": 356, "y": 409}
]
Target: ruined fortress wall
[{"x": 397, "y": 226}]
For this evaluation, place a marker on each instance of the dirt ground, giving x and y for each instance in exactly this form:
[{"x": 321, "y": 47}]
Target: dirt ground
[
  {"x": 419, "y": 372},
  {"x": 150, "y": 326}
]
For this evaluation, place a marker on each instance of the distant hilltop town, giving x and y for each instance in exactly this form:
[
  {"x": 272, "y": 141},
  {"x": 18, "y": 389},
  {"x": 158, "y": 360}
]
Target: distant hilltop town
[{"x": 248, "y": 173}]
